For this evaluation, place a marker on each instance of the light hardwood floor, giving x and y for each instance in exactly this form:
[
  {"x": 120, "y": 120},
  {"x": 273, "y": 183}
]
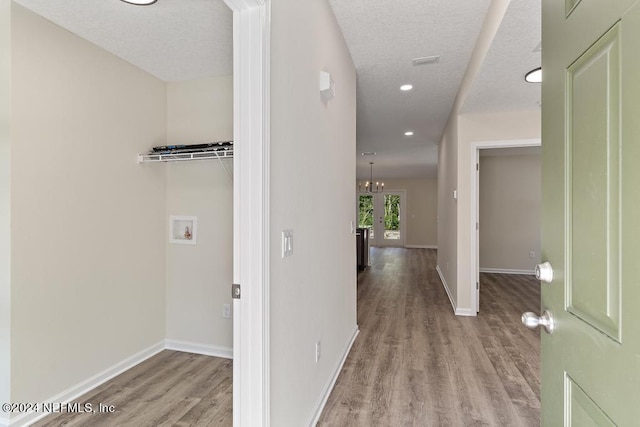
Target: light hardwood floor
[
  {"x": 416, "y": 364},
  {"x": 413, "y": 364},
  {"x": 169, "y": 389}
]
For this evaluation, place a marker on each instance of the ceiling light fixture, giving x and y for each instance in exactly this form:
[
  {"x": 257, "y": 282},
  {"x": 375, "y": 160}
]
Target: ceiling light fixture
[
  {"x": 368, "y": 185},
  {"x": 406, "y": 87},
  {"x": 534, "y": 76},
  {"x": 140, "y": 2},
  {"x": 408, "y": 133}
]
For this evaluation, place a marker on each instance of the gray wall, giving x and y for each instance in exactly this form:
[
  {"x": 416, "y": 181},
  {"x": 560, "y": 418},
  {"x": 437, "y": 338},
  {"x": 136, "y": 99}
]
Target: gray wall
[
  {"x": 509, "y": 204},
  {"x": 88, "y": 242},
  {"x": 198, "y": 277},
  {"x": 313, "y": 292}
]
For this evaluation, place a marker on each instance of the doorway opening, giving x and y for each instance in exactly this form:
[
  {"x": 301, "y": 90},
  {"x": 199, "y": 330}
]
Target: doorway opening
[
  {"x": 475, "y": 218},
  {"x": 384, "y": 214}
]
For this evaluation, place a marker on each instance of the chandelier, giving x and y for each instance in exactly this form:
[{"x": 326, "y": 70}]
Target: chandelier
[{"x": 368, "y": 185}]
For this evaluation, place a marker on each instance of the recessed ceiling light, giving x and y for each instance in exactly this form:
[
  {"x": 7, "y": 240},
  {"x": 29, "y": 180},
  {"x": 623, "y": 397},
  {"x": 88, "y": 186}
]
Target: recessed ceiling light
[
  {"x": 406, "y": 87},
  {"x": 140, "y": 2},
  {"x": 408, "y": 133},
  {"x": 534, "y": 76},
  {"x": 368, "y": 153}
]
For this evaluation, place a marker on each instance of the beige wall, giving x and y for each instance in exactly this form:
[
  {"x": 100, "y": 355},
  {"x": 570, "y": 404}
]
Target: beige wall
[
  {"x": 449, "y": 168},
  {"x": 199, "y": 277},
  {"x": 448, "y": 208},
  {"x": 313, "y": 292},
  {"x": 5, "y": 202},
  {"x": 88, "y": 241},
  {"x": 422, "y": 210},
  {"x": 509, "y": 204},
  {"x": 473, "y": 128}
]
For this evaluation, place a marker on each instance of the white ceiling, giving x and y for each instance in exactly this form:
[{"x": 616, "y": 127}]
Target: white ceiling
[
  {"x": 176, "y": 42},
  {"x": 167, "y": 39},
  {"x": 515, "y": 51},
  {"x": 383, "y": 39}
]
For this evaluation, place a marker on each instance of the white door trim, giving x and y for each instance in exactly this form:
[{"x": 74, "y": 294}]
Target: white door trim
[
  {"x": 474, "y": 275},
  {"x": 251, "y": 27}
]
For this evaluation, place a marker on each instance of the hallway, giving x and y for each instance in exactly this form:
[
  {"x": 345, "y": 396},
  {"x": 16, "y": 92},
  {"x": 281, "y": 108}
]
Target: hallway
[{"x": 416, "y": 364}]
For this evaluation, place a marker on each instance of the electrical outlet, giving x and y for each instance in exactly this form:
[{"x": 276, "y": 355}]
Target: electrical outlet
[
  {"x": 532, "y": 254},
  {"x": 317, "y": 351},
  {"x": 226, "y": 311}
]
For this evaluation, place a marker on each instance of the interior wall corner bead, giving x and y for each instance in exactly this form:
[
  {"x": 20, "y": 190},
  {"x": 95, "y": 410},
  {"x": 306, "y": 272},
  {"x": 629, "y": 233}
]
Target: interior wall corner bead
[{"x": 327, "y": 86}]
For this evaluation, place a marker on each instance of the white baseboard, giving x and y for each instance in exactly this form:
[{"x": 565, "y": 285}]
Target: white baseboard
[
  {"x": 204, "y": 349},
  {"x": 332, "y": 382},
  {"x": 79, "y": 389},
  {"x": 446, "y": 288},
  {"x": 84, "y": 387},
  {"x": 457, "y": 311},
  {"x": 508, "y": 271},
  {"x": 465, "y": 312},
  {"x": 420, "y": 247}
]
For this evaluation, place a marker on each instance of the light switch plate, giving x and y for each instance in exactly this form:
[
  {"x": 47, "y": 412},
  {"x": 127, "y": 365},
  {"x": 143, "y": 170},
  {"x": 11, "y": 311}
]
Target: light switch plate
[{"x": 287, "y": 243}]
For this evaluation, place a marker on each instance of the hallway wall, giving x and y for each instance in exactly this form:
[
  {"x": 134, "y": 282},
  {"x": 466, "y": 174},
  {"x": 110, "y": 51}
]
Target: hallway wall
[{"x": 312, "y": 292}]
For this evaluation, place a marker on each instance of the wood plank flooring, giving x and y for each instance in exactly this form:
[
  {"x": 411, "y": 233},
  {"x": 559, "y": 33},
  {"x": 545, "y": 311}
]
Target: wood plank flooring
[
  {"x": 169, "y": 389},
  {"x": 413, "y": 364},
  {"x": 416, "y": 364}
]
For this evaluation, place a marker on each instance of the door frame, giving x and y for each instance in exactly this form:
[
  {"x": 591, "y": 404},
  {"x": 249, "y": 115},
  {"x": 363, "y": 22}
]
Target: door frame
[
  {"x": 403, "y": 219},
  {"x": 474, "y": 214},
  {"x": 251, "y": 128}
]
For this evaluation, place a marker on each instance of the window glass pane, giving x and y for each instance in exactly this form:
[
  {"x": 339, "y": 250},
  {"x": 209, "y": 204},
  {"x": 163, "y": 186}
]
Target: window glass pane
[
  {"x": 391, "y": 217},
  {"x": 365, "y": 213}
]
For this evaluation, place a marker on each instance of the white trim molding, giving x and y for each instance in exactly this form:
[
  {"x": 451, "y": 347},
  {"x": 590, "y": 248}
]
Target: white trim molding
[
  {"x": 332, "y": 382},
  {"x": 251, "y": 99},
  {"x": 457, "y": 311},
  {"x": 474, "y": 260},
  {"x": 508, "y": 271},
  {"x": 204, "y": 349},
  {"x": 97, "y": 380},
  {"x": 421, "y": 247},
  {"x": 89, "y": 384}
]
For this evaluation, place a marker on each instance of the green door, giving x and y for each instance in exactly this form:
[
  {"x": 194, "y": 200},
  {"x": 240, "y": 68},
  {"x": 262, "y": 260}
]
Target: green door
[{"x": 591, "y": 212}]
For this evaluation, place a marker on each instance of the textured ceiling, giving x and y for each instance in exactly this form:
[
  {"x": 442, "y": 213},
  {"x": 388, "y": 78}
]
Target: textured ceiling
[
  {"x": 183, "y": 40},
  {"x": 383, "y": 39},
  {"x": 171, "y": 39},
  {"x": 515, "y": 51}
]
